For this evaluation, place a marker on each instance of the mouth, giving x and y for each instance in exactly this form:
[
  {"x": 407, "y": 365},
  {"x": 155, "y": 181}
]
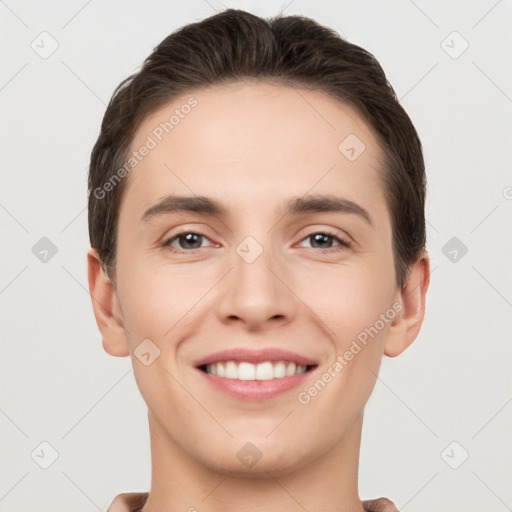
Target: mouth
[
  {"x": 255, "y": 375},
  {"x": 246, "y": 371}
]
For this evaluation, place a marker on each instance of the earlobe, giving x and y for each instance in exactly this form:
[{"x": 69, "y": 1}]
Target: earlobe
[
  {"x": 106, "y": 307},
  {"x": 405, "y": 327}
]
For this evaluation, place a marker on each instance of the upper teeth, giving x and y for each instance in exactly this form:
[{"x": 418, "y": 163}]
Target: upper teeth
[{"x": 247, "y": 371}]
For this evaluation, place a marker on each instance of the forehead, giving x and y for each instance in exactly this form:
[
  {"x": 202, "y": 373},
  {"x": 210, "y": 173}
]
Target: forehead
[{"x": 253, "y": 141}]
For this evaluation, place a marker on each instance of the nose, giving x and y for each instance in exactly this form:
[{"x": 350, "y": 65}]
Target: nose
[{"x": 258, "y": 290}]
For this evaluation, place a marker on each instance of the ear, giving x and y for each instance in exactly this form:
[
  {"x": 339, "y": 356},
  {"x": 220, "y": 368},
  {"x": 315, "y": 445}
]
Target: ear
[
  {"x": 106, "y": 307},
  {"x": 405, "y": 328}
]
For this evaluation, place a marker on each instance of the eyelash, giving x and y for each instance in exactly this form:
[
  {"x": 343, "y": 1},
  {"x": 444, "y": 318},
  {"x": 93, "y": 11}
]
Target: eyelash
[{"x": 343, "y": 244}]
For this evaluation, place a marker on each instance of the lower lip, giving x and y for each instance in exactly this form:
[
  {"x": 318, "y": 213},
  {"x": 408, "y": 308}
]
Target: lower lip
[{"x": 255, "y": 389}]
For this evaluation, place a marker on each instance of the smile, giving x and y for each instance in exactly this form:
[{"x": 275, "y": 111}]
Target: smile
[
  {"x": 243, "y": 370},
  {"x": 255, "y": 375}
]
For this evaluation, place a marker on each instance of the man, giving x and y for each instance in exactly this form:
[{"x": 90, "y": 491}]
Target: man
[{"x": 279, "y": 151}]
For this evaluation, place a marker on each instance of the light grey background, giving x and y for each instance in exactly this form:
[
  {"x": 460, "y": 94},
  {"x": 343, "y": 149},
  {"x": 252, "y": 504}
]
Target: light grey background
[{"x": 453, "y": 384}]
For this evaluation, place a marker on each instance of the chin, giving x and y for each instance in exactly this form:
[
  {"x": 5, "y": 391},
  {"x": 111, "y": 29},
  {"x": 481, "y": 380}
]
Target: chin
[{"x": 255, "y": 459}]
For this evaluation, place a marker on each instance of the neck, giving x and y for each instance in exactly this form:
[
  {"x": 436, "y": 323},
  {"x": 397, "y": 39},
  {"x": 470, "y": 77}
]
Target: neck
[{"x": 326, "y": 483}]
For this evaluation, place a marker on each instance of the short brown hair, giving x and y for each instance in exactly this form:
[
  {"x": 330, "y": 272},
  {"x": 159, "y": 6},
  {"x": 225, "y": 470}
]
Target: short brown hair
[{"x": 291, "y": 50}]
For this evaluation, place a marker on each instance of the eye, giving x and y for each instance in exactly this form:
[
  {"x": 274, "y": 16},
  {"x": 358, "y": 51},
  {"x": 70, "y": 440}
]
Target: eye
[
  {"x": 323, "y": 238},
  {"x": 189, "y": 241}
]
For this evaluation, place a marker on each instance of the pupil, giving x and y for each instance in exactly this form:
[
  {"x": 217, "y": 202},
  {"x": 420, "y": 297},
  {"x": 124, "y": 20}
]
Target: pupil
[
  {"x": 189, "y": 239},
  {"x": 319, "y": 237}
]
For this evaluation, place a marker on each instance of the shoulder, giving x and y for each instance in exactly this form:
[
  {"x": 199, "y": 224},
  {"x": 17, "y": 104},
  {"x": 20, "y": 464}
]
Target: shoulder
[
  {"x": 134, "y": 501},
  {"x": 379, "y": 505},
  {"x": 128, "y": 502}
]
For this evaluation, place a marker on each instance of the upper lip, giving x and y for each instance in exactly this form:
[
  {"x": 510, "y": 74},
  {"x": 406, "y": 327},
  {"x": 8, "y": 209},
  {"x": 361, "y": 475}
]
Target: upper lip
[{"x": 255, "y": 356}]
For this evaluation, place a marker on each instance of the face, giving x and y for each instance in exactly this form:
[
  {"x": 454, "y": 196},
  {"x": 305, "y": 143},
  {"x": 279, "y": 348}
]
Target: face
[{"x": 264, "y": 307}]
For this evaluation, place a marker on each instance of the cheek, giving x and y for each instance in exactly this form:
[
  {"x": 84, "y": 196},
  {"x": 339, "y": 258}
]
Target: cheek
[
  {"x": 168, "y": 306},
  {"x": 348, "y": 298},
  {"x": 358, "y": 309},
  {"x": 153, "y": 297}
]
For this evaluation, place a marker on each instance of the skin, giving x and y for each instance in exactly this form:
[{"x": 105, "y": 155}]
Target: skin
[{"x": 252, "y": 146}]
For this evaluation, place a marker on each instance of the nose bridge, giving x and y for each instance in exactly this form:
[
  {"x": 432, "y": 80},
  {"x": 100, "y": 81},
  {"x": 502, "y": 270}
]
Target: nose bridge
[
  {"x": 255, "y": 257},
  {"x": 256, "y": 250}
]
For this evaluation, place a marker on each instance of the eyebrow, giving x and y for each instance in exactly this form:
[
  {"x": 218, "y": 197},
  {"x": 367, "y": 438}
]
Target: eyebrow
[{"x": 296, "y": 205}]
